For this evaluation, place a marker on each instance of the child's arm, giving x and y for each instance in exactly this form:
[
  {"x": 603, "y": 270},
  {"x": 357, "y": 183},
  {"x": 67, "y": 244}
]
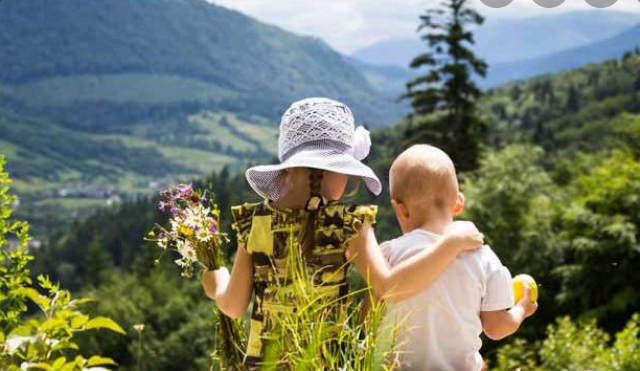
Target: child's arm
[
  {"x": 499, "y": 324},
  {"x": 231, "y": 293},
  {"x": 416, "y": 273}
]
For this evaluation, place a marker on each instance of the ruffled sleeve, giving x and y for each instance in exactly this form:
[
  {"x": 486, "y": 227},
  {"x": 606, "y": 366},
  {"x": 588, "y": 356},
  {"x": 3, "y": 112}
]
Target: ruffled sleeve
[
  {"x": 355, "y": 217},
  {"x": 242, "y": 217}
]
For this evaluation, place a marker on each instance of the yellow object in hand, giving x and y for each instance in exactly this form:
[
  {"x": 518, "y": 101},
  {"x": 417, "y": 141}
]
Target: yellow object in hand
[{"x": 518, "y": 283}]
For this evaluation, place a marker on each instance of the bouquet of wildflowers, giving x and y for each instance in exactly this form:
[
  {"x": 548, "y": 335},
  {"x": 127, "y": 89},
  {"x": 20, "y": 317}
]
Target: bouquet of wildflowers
[
  {"x": 193, "y": 228},
  {"x": 194, "y": 233}
]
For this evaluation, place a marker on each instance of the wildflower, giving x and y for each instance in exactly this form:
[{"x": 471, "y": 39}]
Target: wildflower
[
  {"x": 180, "y": 262},
  {"x": 203, "y": 235},
  {"x": 187, "y": 251},
  {"x": 185, "y": 190},
  {"x": 138, "y": 327},
  {"x": 213, "y": 227},
  {"x": 175, "y": 226},
  {"x": 174, "y": 211},
  {"x": 163, "y": 243}
]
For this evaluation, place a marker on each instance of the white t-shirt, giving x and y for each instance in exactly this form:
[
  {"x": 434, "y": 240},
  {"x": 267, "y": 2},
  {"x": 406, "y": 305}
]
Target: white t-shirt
[{"x": 439, "y": 328}]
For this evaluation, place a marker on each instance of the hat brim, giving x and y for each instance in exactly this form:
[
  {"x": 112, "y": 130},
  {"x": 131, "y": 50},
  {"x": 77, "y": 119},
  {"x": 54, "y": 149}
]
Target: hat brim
[{"x": 269, "y": 180}]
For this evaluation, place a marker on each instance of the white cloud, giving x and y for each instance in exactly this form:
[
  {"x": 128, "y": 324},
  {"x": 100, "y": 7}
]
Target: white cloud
[{"x": 351, "y": 24}]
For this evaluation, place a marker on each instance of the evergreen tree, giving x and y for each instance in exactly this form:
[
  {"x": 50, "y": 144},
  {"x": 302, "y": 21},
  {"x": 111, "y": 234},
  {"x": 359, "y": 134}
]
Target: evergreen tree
[
  {"x": 445, "y": 98},
  {"x": 515, "y": 93},
  {"x": 573, "y": 99}
]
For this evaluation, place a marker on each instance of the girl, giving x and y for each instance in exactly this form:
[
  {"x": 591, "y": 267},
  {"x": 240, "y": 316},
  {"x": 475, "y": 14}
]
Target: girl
[{"x": 318, "y": 150}]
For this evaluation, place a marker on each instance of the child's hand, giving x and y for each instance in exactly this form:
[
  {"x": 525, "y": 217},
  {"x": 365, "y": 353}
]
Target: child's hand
[
  {"x": 527, "y": 305},
  {"x": 212, "y": 278},
  {"x": 464, "y": 236}
]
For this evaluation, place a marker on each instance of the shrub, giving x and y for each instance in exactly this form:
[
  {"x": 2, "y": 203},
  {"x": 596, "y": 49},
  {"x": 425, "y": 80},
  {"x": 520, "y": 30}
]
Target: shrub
[{"x": 43, "y": 341}]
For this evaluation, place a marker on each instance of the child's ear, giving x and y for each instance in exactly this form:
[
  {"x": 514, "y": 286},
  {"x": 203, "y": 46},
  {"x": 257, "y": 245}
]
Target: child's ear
[
  {"x": 458, "y": 208},
  {"x": 400, "y": 208}
]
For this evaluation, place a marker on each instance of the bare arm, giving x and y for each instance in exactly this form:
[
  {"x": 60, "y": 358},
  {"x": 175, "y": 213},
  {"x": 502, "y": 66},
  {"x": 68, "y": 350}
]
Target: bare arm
[
  {"x": 231, "y": 293},
  {"x": 499, "y": 324},
  {"x": 414, "y": 274}
]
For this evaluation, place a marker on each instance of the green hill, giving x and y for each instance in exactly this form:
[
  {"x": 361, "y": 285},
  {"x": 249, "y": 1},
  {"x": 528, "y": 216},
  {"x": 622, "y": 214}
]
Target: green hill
[
  {"x": 169, "y": 51},
  {"x": 594, "y": 107},
  {"x": 105, "y": 100}
]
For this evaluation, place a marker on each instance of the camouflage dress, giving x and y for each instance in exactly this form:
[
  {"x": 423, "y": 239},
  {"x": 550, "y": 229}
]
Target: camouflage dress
[{"x": 286, "y": 279}]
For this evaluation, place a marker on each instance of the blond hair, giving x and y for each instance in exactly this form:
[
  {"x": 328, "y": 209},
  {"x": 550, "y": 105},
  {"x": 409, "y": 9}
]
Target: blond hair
[{"x": 424, "y": 177}]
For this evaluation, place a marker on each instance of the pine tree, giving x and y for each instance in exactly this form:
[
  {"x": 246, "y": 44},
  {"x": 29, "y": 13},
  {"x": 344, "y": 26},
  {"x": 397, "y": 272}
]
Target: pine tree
[
  {"x": 515, "y": 93},
  {"x": 444, "y": 100},
  {"x": 573, "y": 99}
]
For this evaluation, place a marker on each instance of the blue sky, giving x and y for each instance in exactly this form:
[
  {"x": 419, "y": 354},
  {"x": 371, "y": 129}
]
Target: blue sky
[{"x": 351, "y": 24}]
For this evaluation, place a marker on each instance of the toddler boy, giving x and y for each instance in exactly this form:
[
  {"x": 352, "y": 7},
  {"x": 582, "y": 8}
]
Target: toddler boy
[{"x": 439, "y": 329}]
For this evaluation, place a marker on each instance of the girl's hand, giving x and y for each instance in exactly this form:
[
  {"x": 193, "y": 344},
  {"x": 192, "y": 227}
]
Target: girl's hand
[
  {"x": 213, "y": 279},
  {"x": 464, "y": 236},
  {"x": 231, "y": 292}
]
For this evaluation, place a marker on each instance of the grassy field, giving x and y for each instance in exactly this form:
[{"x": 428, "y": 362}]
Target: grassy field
[{"x": 117, "y": 88}]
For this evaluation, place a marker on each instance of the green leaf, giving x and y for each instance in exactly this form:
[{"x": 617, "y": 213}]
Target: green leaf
[
  {"x": 58, "y": 363},
  {"x": 33, "y": 294},
  {"x": 51, "y": 324},
  {"x": 99, "y": 361},
  {"x": 65, "y": 344},
  {"x": 69, "y": 367},
  {"x": 42, "y": 366},
  {"x": 104, "y": 323},
  {"x": 79, "y": 321}
]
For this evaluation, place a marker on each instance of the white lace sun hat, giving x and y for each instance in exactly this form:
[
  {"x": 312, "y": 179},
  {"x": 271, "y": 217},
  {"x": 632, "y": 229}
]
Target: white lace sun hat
[{"x": 316, "y": 133}]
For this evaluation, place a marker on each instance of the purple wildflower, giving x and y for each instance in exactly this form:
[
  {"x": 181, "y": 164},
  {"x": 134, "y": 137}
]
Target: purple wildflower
[
  {"x": 185, "y": 190},
  {"x": 174, "y": 211},
  {"x": 162, "y": 205},
  {"x": 213, "y": 228}
]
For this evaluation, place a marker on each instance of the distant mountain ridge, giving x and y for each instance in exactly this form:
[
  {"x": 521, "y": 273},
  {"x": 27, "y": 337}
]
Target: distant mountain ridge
[
  {"x": 503, "y": 41},
  {"x": 596, "y": 52}
]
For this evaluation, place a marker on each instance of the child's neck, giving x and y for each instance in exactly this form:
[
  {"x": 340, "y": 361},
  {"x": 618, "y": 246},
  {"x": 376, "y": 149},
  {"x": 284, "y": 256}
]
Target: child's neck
[
  {"x": 435, "y": 225},
  {"x": 293, "y": 200}
]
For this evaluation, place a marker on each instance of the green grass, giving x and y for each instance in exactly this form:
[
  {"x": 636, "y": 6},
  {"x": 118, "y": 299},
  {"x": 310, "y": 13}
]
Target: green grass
[
  {"x": 218, "y": 133},
  {"x": 117, "y": 88},
  {"x": 267, "y": 136},
  {"x": 8, "y": 150},
  {"x": 72, "y": 203},
  {"x": 202, "y": 160}
]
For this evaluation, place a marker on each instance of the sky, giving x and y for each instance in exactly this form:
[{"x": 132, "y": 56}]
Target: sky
[{"x": 348, "y": 25}]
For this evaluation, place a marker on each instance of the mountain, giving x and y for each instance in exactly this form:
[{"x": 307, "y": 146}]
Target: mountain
[
  {"x": 614, "y": 47},
  {"x": 503, "y": 41},
  {"x": 389, "y": 80},
  {"x": 205, "y": 54},
  {"x": 102, "y": 100}
]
